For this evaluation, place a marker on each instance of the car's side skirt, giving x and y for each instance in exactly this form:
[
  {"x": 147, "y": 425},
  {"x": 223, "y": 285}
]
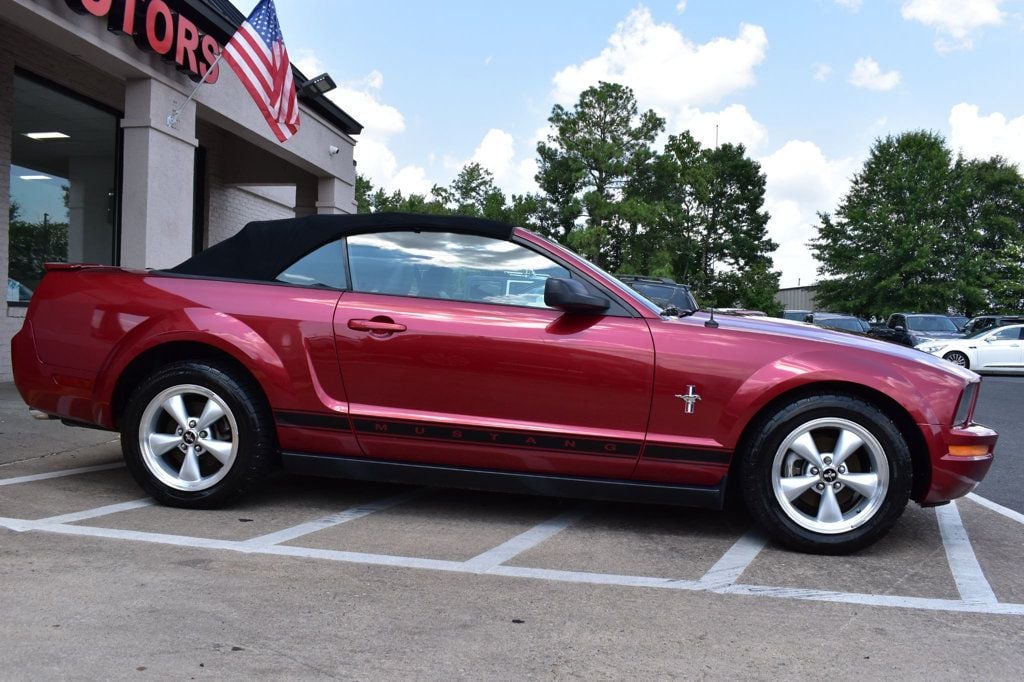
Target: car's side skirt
[{"x": 711, "y": 497}]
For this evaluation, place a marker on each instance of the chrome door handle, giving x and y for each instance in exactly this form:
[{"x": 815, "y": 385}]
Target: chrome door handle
[{"x": 376, "y": 326}]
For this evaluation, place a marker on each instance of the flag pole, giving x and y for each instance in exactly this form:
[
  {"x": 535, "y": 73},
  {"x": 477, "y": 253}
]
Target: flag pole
[{"x": 172, "y": 118}]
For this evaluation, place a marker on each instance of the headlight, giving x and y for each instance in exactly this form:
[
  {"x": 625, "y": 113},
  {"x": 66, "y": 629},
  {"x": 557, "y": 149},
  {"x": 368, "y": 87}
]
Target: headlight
[
  {"x": 930, "y": 347},
  {"x": 966, "y": 406}
]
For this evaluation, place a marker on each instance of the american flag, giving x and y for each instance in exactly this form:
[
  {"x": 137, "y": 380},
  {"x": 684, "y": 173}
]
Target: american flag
[{"x": 257, "y": 54}]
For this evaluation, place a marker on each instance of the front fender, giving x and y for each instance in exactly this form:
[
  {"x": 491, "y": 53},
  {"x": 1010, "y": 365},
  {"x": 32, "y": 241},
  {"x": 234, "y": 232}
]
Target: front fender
[{"x": 804, "y": 369}]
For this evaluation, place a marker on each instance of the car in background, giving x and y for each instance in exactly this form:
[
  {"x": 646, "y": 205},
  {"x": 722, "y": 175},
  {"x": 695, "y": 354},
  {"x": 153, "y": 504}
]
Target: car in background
[
  {"x": 913, "y": 329},
  {"x": 662, "y": 291},
  {"x": 840, "y": 322},
  {"x": 983, "y": 322},
  {"x": 796, "y": 315},
  {"x": 999, "y": 349},
  {"x": 959, "y": 320},
  {"x": 741, "y": 312}
]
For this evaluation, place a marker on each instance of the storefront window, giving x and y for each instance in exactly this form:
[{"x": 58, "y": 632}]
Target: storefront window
[{"x": 64, "y": 189}]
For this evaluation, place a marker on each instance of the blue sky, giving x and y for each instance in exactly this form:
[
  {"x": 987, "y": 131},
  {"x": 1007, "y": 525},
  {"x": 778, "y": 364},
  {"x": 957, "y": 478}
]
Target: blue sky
[{"x": 807, "y": 85}]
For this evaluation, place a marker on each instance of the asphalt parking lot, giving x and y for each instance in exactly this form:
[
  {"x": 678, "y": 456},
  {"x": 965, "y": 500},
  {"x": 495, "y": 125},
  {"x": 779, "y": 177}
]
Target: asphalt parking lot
[{"x": 314, "y": 578}]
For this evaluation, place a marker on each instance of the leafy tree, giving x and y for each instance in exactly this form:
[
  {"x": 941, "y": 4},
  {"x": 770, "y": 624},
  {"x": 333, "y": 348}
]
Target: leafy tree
[
  {"x": 585, "y": 165},
  {"x": 921, "y": 231}
]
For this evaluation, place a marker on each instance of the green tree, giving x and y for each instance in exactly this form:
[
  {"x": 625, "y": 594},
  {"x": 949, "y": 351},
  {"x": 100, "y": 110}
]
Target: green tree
[
  {"x": 920, "y": 230},
  {"x": 584, "y": 167}
]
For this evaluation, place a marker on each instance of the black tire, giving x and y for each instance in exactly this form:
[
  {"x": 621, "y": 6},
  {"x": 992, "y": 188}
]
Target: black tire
[
  {"x": 958, "y": 358},
  {"x": 247, "y": 425},
  {"x": 793, "y": 522}
]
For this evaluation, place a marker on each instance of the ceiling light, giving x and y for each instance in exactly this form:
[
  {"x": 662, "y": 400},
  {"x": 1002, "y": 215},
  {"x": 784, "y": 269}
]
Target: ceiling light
[
  {"x": 35, "y": 177},
  {"x": 50, "y": 135}
]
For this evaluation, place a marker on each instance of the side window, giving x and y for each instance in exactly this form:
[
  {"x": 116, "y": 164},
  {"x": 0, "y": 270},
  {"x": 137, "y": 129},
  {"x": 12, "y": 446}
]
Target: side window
[
  {"x": 445, "y": 265},
  {"x": 897, "y": 321},
  {"x": 1006, "y": 335},
  {"x": 324, "y": 267}
]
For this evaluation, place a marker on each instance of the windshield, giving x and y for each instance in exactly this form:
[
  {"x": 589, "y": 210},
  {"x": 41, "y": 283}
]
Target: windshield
[
  {"x": 930, "y": 323},
  {"x": 667, "y": 294},
  {"x": 845, "y": 323}
]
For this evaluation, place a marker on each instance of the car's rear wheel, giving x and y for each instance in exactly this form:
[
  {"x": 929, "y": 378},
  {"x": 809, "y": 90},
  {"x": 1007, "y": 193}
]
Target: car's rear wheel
[
  {"x": 958, "y": 358},
  {"x": 827, "y": 474},
  {"x": 197, "y": 434}
]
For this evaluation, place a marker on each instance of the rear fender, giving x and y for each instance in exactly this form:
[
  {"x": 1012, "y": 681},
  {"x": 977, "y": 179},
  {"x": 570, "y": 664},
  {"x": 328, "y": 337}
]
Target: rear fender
[{"x": 197, "y": 325}]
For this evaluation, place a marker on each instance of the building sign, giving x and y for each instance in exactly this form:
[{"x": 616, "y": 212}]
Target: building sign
[{"x": 156, "y": 28}]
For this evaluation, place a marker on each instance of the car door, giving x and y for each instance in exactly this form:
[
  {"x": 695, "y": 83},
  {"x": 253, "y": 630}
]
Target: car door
[
  {"x": 1001, "y": 349},
  {"x": 449, "y": 355}
]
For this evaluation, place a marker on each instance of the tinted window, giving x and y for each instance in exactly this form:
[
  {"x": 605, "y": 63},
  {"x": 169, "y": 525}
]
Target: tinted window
[
  {"x": 844, "y": 323},
  {"x": 324, "y": 267},
  {"x": 930, "y": 323},
  {"x": 445, "y": 265},
  {"x": 1008, "y": 334}
]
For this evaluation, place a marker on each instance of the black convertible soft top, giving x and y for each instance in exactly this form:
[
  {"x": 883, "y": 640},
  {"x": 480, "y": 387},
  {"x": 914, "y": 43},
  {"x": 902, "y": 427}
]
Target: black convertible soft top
[{"x": 262, "y": 250}]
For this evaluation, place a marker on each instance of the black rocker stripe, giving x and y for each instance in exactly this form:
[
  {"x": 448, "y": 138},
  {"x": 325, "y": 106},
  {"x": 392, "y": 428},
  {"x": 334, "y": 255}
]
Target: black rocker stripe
[
  {"x": 477, "y": 436},
  {"x": 686, "y": 454},
  {"x": 312, "y": 420},
  {"x": 493, "y": 437}
]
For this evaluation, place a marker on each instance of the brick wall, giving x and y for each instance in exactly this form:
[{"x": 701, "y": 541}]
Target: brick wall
[{"x": 230, "y": 207}]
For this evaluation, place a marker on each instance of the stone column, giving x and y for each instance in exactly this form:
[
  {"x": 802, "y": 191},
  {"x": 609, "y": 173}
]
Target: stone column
[
  {"x": 305, "y": 198},
  {"x": 159, "y": 164},
  {"x": 335, "y": 196}
]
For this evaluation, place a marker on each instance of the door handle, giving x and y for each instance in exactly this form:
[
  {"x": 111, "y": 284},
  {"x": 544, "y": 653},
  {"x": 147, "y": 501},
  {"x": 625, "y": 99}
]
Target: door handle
[{"x": 376, "y": 326}]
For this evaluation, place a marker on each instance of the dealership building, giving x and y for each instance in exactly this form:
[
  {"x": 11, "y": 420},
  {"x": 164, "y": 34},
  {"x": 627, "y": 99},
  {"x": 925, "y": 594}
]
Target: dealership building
[{"x": 93, "y": 167}]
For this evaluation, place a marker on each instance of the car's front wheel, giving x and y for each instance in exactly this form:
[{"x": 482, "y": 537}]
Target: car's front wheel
[
  {"x": 197, "y": 434},
  {"x": 827, "y": 474},
  {"x": 958, "y": 358}
]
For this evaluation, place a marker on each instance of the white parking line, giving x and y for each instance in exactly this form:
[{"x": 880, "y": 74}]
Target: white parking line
[
  {"x": 99, "y": 511},
  {"x": 967, "y": 606},
  {"x": 331, "y": 520},
  {"x": 970, "y": 580},
  {"x": 996, "y": 507},
  {"x": 59, "y": 474},
  {"x": 524, "y": 541},
  {"x": 730, "y": 567}
]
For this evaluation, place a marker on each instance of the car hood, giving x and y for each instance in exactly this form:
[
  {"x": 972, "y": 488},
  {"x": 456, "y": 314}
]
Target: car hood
[{"x": 810, "y": 332}]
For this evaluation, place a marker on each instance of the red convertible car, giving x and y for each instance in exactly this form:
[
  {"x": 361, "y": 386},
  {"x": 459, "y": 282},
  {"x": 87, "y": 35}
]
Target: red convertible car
[{"x": 462, "y": 352}]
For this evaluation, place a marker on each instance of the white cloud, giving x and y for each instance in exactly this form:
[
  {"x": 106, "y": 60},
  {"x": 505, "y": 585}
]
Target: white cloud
[
  {"x": 735, "y": 125},
  {"x": 681, "y": 6},
  {"x": 381, "y": 122},
  {"x": 801, "y": 181},
  {"x": 497, "y": 153},
  {"x": 852, "y": 5},
  {"x": 664, "y": 69},
  {"x": 955, "y": 19},
  {"x": 867, "y": 74},
  {"x": 981, "y": 137},
  {"x": 821, "y": 71}
]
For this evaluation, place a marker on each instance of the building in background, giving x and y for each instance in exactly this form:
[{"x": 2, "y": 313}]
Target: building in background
[
  {"x": 798, "y": 298},
  {"x": 90, "y": 168}
]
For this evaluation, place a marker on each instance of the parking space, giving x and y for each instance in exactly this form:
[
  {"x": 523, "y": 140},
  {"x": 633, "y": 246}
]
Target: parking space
[
  {"x": 963, "y": 557},
  {"x": 319, "y": 578}
]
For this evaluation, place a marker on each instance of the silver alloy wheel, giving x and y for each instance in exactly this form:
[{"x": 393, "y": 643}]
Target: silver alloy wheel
[
  {"x": 957, "y": 358},
  {"x": 188, "y": 437},
  {"x": 830, "y": 475}
]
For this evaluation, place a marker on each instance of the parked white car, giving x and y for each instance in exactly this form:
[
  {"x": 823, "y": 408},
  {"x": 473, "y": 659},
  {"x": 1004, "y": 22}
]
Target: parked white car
[{"x": 1000, "y": 349}]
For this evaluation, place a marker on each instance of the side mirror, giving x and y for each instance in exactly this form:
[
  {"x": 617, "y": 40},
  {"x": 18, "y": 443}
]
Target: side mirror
[
  {"x": 571, "y": 296},
  {"x": 990, "y": 338},
  {"x": 899, "y": 328}
]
